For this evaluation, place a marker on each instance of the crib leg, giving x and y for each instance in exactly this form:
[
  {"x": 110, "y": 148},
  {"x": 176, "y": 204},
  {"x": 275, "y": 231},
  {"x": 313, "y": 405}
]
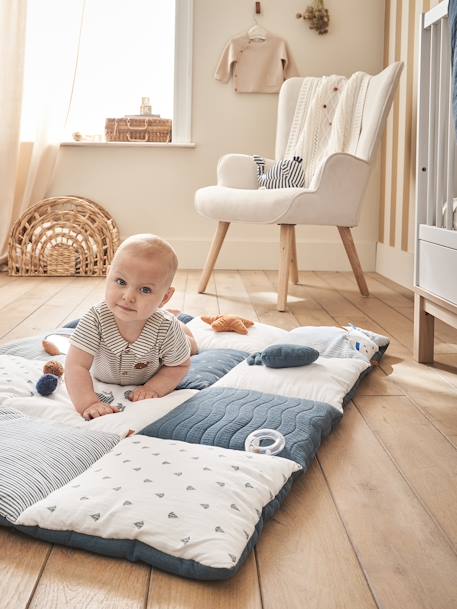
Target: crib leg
[{"x": 424, "y": 330}]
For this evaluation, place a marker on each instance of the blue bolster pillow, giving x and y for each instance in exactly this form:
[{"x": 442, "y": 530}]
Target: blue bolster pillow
[{"x": 284, "y": 356}]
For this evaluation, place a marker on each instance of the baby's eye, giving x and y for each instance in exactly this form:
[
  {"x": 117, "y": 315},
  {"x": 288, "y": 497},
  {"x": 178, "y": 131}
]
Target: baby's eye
[
  {"x": 120, "y": 281},
  {"x": 146, "y": 290}
]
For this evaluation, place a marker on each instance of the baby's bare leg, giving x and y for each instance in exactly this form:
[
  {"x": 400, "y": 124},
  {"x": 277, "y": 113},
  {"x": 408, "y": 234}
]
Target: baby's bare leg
[
  {"x": 192, "y": 341},
  {"x": 191, "y": 337}
]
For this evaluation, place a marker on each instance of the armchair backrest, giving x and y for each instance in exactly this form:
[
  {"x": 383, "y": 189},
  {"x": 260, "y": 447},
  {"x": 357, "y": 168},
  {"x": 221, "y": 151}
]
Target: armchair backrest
[{"x": 380, "y": 94}]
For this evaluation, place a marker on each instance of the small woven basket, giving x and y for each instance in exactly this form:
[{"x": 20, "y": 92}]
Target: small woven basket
[
  {"x": 142, "y": 129},
  {"x": 63, "y": 236}
]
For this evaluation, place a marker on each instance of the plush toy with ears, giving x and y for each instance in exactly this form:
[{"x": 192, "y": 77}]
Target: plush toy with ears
[{"x": 228, "y": 323}]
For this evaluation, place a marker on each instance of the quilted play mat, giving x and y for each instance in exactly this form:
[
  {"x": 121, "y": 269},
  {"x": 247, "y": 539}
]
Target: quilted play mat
[{"x": 190, "y": 490}]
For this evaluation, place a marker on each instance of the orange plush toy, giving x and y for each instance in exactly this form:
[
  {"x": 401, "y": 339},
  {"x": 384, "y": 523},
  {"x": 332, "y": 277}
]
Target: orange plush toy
[{"x": 228, "y": 323}]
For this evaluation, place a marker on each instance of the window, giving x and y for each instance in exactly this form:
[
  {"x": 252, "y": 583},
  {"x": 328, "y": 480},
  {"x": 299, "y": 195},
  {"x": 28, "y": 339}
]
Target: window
[{"x": 127, "y": 50}]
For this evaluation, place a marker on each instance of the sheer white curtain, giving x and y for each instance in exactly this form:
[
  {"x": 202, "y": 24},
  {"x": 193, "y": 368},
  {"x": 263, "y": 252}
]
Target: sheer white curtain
[
  {"x": 39, "y": 49},
  {"x": 12, "y": 45}
]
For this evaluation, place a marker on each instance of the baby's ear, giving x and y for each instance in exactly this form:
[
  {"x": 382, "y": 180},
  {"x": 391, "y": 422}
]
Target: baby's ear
[{"x": 168, "y": 294}]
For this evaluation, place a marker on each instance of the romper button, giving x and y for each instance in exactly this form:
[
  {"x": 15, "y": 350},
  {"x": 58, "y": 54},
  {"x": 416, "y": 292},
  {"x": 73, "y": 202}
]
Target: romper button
[{"x": 124, "y": 373}]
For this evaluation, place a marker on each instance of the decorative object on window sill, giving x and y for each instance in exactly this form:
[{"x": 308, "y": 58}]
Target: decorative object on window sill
[
  {"x": 138, "y": 129},
  {"x": 146, "y": 108},
  {"x": 317, "y": 15},
  {"x": 63, "y": 236}
]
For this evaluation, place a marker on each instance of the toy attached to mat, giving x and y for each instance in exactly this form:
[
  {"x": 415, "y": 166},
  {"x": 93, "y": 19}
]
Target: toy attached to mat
[
  {"x": 228, "y": 323},
  {"x": 283, "y": 356},
  {"x": 52, "y": 373}
]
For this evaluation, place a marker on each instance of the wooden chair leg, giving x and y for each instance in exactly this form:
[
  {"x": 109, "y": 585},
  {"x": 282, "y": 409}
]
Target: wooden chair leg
[
  {"x": 285, "y": 247},
  {"x": 293, "y": 259},
  {"x": 213, "y": 253},
  {"x": 346, "y": 236},
  {"x": 424, "y": 329}
]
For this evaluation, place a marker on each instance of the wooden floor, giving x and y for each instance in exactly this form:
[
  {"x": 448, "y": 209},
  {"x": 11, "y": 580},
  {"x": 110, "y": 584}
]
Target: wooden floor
[{"x": 372, "y": 524}]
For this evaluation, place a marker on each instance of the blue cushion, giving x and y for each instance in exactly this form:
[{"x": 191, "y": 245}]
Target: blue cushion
[
  {"x": 284, "y": 356},
  {"x": 225, "y": 417},
  {"x": 72, "y": 324},
  {"x": 185, "y": 318},
  {"x": 209, "y": 366}
]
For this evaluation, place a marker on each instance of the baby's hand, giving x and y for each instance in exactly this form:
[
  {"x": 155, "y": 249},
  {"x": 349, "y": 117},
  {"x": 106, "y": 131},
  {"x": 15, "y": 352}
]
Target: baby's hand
[
  {"x": 142, "y": 394},
  {"x": 98, "y": 409}
]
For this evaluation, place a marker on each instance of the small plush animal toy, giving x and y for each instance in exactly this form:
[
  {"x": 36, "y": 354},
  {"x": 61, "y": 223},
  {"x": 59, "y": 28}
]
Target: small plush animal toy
[
  {"x": 228, "y": 323},
  {"x": 47, "y": 383}
]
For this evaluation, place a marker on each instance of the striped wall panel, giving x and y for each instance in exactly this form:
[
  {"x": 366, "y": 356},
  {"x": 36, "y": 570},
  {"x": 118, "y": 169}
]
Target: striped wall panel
[{"x": 396, "y": 213}]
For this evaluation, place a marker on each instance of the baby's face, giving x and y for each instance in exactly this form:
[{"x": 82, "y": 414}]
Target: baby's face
[{"x": 136, "y": 286}]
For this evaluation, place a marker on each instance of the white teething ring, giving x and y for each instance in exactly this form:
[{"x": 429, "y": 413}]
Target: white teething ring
[{"x": 252, "y": 443}]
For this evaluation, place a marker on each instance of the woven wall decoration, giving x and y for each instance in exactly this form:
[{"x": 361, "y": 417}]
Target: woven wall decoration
[{"x": 63, "y": 236}]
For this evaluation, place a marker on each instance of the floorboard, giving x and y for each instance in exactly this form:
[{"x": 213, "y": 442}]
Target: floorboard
[{"x": 406, "y": 558}]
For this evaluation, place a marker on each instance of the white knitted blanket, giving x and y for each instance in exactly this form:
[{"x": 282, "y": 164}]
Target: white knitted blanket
[{"x": 327, "y": 119}]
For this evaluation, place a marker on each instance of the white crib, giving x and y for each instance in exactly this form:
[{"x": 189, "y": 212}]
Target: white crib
[{"x": 436, "y": 238}]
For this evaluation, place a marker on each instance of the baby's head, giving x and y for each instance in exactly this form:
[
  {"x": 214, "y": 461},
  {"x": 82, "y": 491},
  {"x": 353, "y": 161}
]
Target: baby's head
[{"x": 140, "y": 276}]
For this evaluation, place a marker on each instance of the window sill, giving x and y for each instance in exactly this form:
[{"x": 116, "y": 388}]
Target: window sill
[{"x": 130, "y": 144}]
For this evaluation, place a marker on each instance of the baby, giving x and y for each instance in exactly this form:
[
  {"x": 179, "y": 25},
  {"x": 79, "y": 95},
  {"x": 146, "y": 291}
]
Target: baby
[{"x": 127, "y": 339}]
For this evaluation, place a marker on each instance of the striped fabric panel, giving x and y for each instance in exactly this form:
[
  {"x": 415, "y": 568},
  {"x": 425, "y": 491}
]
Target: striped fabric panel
[
  {"x": 38, "y": 457},
  {"x": 337, "y": 346},
  {"x": 287, "y": 173},
  {"x": 7, "y": 413}
]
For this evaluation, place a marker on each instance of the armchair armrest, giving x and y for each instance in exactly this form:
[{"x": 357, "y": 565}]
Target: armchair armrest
[
  {"x": 337, "y": 196},
  {"x": 239, "y": 171}
]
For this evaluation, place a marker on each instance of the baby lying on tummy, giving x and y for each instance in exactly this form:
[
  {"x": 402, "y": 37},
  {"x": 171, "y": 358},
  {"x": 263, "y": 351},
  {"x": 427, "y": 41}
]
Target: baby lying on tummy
[{"x": 127, "y": 339}]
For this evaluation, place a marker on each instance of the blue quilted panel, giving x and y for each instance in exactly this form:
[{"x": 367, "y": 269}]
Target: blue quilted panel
[
  {"x": 209, "y": 366},
  {"x": 225, "y": 417}
]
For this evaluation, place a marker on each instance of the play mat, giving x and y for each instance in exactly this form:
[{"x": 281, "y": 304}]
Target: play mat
[{"x": 182, "y": 493}]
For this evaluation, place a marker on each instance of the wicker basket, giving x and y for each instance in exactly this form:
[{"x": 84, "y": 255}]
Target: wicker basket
[
  {"x": 63, "y": 236},
  {"x": 141, "y": 129}
]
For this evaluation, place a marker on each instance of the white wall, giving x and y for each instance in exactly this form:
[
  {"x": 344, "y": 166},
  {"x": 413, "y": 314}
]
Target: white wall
[{"x": 152, "y": 189}]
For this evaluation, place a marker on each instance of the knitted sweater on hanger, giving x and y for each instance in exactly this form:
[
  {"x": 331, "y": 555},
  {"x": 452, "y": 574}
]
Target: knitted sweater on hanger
[{"x": 327, "y": 119}]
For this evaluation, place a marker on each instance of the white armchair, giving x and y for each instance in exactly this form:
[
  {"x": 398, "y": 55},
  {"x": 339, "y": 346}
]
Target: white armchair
[{"x": 336, "y": 200}]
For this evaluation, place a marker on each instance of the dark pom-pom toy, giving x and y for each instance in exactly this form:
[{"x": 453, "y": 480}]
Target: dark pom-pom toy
[{"x": 47, "y": 384}]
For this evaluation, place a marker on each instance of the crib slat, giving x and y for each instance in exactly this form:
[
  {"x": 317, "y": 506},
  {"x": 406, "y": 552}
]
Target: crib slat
[
  {"x": 443, "y": 122},
  {"x": 450, "y": 167},
  {"x": 423, "y": 98},
  {"x": 431, "y": 161}
]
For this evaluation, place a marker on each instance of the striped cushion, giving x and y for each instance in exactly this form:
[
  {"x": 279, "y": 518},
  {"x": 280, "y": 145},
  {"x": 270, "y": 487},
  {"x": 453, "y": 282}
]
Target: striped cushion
[
  {"x": 38, "y": 457},
  {"x": 7, "y": 413},
  {"x": 283, "y": 174}
]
